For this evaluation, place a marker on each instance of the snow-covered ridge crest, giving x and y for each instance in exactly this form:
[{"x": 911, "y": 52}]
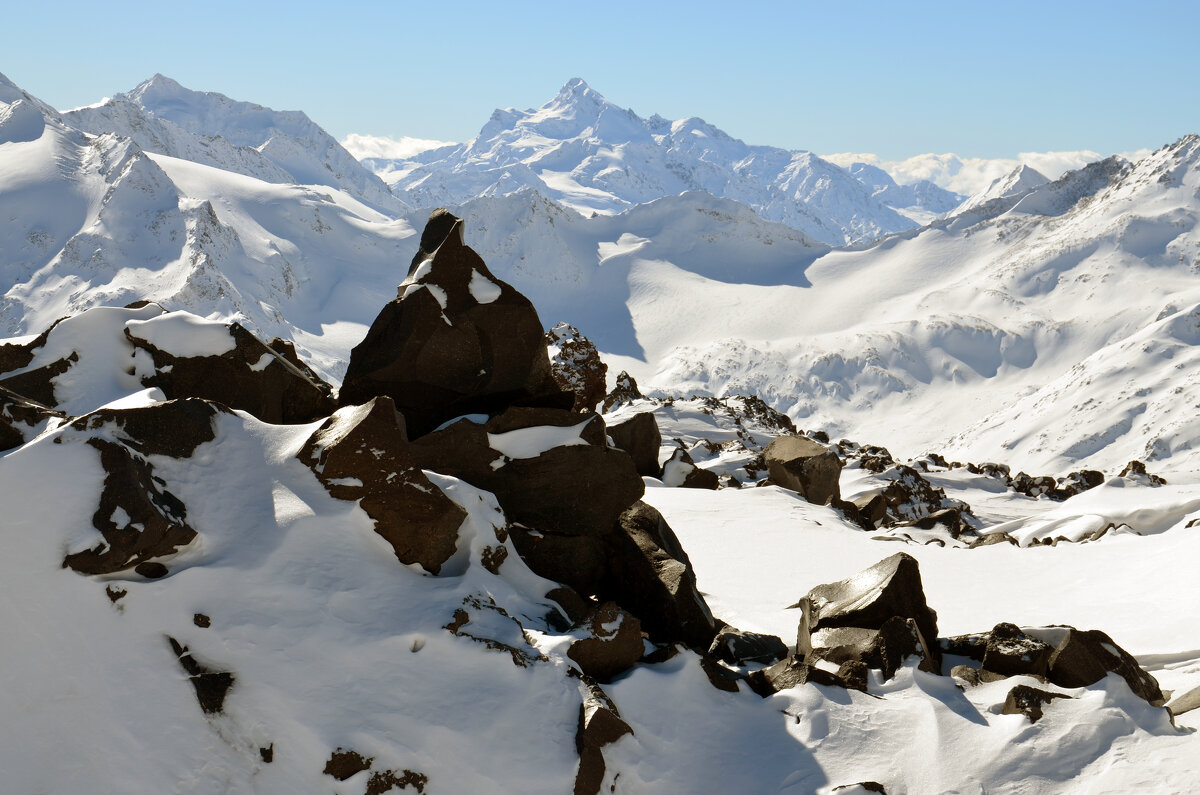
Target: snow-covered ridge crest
[
  {"x": 593, "y": 156},
  {"x": 164, "y": 117}
]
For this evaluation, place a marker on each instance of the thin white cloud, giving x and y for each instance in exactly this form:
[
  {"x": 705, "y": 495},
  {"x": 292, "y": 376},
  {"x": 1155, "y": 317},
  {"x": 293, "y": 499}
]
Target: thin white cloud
[{"x": 364, "y": 146}]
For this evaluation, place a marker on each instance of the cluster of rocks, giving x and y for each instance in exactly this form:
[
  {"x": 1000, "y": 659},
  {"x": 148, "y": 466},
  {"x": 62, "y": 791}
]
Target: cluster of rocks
[{"x": 576, "y": 366}]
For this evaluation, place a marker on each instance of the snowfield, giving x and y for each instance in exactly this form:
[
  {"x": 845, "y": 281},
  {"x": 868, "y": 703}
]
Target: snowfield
[{"x": 1049, "y": 326}]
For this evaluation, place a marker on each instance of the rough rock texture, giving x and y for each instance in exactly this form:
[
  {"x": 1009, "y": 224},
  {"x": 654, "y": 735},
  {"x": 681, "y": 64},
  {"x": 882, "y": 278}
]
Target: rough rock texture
[
  {"x": 650, "y": 575},
  {"x": 1028, "y": 701},
  {"x": 211, "y": 686},
  {"x": 1008, "y": 652},
  {"x": 456, "y": 341},
  {"x": 625, "y": 390},
  {"x": 1137, "y": 471},
  {"x": 252, "y": 377},
  {"x": 600, "y": 724},
  {"x": 577, "y": 487},
  {"x": 790, "y": 673},
  {"x": 613, "y": 643},
  {"x": 640, "y": 437},
  {"x": 138, "y": 518},
  {"x": 1062, "y": 655},
  {"x": 736, "y": 647},
  {"x": 20, "y": 418},
  {"x": 804, "y": 466},
  {"x": 681, "y": 471},
  {"x": 361, "y": 453},
  {"x": 890, "y": 588},
  {"x": 576, "y": 366},
  {"x": 884, "y": 649},
  {"x": 38, "y": 384}
]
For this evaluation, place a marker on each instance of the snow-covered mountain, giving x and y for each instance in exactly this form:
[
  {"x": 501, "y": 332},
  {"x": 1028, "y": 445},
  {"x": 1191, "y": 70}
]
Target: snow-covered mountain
[
  {"x": 591, "y": 155},
  {"x": 162, "y": 117}
]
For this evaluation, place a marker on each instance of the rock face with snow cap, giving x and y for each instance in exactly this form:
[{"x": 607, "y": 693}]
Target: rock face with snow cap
[
  {"x": 361, "y": 453},
  {"x": 20, "y": 418},
  {"x": 576, "y": 366},
  {"x": 456, "y": 341},
  {"x": 238, "y": 370}
]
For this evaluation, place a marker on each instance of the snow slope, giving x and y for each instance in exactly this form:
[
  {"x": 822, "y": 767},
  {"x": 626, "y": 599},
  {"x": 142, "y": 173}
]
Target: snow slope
[{"x": 588, "y": 154}]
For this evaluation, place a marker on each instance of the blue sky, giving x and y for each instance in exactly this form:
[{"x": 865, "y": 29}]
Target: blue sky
[{"x": 893, "y": 78}]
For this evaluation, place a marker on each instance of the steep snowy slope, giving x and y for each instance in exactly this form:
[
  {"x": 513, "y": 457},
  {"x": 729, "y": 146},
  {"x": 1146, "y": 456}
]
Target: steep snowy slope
[
  {"x": 163, "y": 117},
  {"x": 922, "y": 201},
  {"x": 590, "y": 155}
]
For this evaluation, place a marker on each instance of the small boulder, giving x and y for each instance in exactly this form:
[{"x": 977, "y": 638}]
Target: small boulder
[
  {"x": 1010, "y": 652},
  {"x": 804, "y": 466},
  {"x": 576, "y": 366},
  {"x": 1028, "y": 701},
  {"x": 681, "y": 471},
  {"x": 1136, "y": 471},
  {"x": 1084, "y": 657},
  {"x": 789, "y": 673},
  {"x": 613, "y": 643},
  {"x": 736, "y": 647},
  {"x": 639, "y": 436}
]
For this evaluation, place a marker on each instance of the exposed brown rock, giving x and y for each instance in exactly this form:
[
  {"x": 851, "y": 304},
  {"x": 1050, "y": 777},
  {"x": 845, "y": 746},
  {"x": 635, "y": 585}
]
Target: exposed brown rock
[
  {"x": 252, "y": 377},
  {"x": 174, "y": 428},
  {"x": 38, "y": 384},
  {"x": 625, "y": 390},
  {"x": 202, "y": 621},
  {"x": 576, "y": 366},
  {"x": 787, "y": 674},
  {"x": 211, "y": 686},
  {"x": 804, "y": 466},
  {"x": 651, "y": 576},
  {"x": 573, "y": 489},
  {"x": 1009, "y": 652},
  {"x": 640, "y": 437},
  {"x": 1028, "y": 701},
  {"x": 20, "y": 418},
  {"x": 681, "y": 471},
  {"x": 1084, "y": 657},
  {"x": 600, "y": 724},
  {"x": 456, "y": 341},
  {"x": 344, "y": 763},
  {"x": 361, "y": 453},
  {"x": 613, "y": 643},
  {"x": 736, "y": 647},
  {"x": 890, "y": 588}
]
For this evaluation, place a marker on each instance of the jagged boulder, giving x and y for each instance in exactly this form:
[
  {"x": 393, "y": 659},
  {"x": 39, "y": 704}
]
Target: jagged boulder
[
  {"x": 361, "y": 453},
  {"x": 1136, "y": 470},
  {"x": 869, "y": 600},
  {"x": 576, "y": 366},
  {"x": 1028, "y": 701},
  {"x": 650, "y": 575},
  {"x": 36, "y": 384},
  {"x": 792, "y": 672},
  {"x": 736, "y": 647},
  {"x": 21, "y": 418},
  {"x": 456, "y": 341},
  {"x": 551, "y": 470},
  {"x": 613, "y": 642},
  {"x": 600, "y": 724},
  {"x": 884, "y": 649},
  {"x": 231, "y": 366},
  {"x": 1062, "y": 655},
  {"x": 640, "y": 437},
  {"x": 809, "y": 468},
  {"x": 681, "y": 471},
  {"x": 625, "y": 390},
  {"x": 138, "y": 518}
]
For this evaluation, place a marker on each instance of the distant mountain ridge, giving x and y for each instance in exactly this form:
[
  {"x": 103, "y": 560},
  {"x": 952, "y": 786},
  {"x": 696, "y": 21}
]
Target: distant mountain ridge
[
  {"x": 163, "y": 117},
  {"x": 589, "y": 154}
]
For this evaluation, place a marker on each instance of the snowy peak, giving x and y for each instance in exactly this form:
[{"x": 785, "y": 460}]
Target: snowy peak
[
  {"x": 164, "y": 117},
  {"x": 1021, "y": 180}
]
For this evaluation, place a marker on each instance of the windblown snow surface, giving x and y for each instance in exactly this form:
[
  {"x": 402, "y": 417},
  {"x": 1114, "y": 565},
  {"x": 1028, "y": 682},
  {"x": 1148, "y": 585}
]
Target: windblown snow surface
[{"x": 1052, "y": 329}]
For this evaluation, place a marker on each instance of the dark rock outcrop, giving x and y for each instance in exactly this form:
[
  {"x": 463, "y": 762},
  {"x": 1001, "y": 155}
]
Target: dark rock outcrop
[
  {"x": 640, "y": 437},
  {"x": 1009, "y": 652},
  {"x": 576, "y": 366},
  {"x": 680, "y": 470},
  {"x": 651, "y": 576},
  {"x": 139, "y": 519},
  {"x": 252, "y": 377},
  {"x": 211, "y": 686},
  {"x": 600, "y": 724},
  {"x": 1137, "y": 471},
  {"x": 456, "y": 341},
  {"x": 625, "y": 390},
  {"x": 613, "y": 643},
  {"x": 804, "y": 466},
  {"x": 20, "y": 418},
  {"x": 869, "y": 600},
  {"x": 1028, "y": 701},
  {"x": 361, "y": 453},
  {"x": 736, "y": 647}
]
